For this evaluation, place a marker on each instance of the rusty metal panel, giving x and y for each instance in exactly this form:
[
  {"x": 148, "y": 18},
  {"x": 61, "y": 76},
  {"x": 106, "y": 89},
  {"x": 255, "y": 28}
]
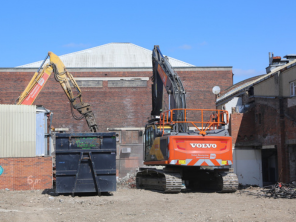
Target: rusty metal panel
[{"x": 17, "y": 131}]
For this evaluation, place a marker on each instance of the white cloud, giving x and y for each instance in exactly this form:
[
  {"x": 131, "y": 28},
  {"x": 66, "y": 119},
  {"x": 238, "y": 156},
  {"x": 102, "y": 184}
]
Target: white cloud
[
  {"x": 186, "y": 47},
  {"x": 75, "y": 45},
  {"x": 248, "y": 73}
]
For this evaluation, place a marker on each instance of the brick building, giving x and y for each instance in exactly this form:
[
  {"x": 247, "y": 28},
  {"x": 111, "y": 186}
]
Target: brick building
[
  {"x": 115, "y": 80},
  {"x": 262, "y": 125},
  {"x": 23, "y": 163},
  {"x": 26, "y": 173}
]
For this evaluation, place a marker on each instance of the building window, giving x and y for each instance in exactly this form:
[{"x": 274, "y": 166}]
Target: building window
[
  {"x": 293, "y": 88},
  {"x": 258, "y": 118}
]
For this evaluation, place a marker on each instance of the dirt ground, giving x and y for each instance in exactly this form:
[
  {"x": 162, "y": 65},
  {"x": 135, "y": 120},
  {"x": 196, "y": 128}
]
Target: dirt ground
[{"x": 141, "y": 205}]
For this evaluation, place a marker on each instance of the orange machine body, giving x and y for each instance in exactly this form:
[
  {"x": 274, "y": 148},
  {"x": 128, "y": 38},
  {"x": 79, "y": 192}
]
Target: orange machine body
[
  {"x": 207, "y": 145},
  {"x": 191, "y": 150}
]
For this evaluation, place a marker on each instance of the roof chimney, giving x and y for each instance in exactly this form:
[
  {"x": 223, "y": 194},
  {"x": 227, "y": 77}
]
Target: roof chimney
[{"x": 270, "y": 57}]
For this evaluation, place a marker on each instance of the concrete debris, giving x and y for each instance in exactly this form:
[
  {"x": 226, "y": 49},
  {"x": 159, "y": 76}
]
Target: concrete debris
[
  {"x": 129, "y": 181},
  {"x": 278, "y": 190}
]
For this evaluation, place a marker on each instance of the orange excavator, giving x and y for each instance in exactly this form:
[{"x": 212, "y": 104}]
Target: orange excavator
[
  {"x": 184, "y": 148},
  {"x": 61, "y": 75}
]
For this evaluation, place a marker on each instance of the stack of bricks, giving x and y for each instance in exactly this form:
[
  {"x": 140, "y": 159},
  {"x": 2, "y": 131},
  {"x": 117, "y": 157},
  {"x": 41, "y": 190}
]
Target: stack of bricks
[{"x": 31, "y": 173}]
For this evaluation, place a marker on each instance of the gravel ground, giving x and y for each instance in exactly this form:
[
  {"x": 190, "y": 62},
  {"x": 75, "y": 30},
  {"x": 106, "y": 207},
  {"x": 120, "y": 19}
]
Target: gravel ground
[{"x": 141, "y": 205}]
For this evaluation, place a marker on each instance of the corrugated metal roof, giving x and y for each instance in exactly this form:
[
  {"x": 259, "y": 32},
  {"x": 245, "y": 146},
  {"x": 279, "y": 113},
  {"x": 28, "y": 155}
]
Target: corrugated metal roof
[
  {"x": 243, "y": 87},
  {"x": 111, "y": 55}
]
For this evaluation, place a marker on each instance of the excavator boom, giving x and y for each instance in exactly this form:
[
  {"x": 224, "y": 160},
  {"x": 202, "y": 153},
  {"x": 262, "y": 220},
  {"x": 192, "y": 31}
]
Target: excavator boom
[
  {"x": 164, "y": 76},
  {"x": 62, "y": 76}
]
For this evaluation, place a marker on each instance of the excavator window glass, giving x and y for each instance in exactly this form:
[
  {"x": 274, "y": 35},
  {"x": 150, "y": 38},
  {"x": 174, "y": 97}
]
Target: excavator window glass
[
  {"x": 149, "y": 134},
  {"x": 152, "y": 135},
  {"x": 166, "y": 130},
  {"x": 146, "y": 137},
  {"x": 149, "y": 137}
]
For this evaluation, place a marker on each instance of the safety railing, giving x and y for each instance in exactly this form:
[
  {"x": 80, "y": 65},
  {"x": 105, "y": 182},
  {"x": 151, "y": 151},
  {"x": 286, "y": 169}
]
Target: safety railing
[{"x": 209, "y": 119}]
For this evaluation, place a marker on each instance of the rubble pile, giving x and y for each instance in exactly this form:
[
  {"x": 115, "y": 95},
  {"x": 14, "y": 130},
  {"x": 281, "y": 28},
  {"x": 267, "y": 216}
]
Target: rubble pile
[
  {"x": 129, "y": 181},
  {"x": 278, "y": 190}
]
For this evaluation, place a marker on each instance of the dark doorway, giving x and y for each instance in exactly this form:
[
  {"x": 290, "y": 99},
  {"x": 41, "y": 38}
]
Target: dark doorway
[
  {"x": 292, "y": 161},
  {"x": 269, "y": 166}
]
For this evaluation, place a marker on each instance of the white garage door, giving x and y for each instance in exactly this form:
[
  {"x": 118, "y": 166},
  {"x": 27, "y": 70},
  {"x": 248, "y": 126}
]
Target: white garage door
[{"x": 248, "y": 166}]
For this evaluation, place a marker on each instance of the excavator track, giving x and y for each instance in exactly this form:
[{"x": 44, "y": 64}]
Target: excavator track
[
  {"x": 167, "y": 182},
  {"x": 229, "y": 182},
  {"x": 171, "y": 182}
]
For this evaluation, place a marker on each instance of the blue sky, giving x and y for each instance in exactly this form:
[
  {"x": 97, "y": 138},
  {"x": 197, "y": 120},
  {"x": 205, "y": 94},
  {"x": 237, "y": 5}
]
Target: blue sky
[{"x": 203, "y": 33}]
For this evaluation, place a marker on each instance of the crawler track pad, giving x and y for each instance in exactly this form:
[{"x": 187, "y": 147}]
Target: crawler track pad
[
  {"x": 230, "y": 182},
  {"x": 153, "y": 179}
]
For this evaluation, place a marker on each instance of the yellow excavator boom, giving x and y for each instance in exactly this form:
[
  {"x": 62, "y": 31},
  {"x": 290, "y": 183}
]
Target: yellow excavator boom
[{"x": 62, "y": 76}]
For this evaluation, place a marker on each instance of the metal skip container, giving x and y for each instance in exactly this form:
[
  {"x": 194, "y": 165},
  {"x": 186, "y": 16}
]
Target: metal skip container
[{"x": 85, "y": 162}]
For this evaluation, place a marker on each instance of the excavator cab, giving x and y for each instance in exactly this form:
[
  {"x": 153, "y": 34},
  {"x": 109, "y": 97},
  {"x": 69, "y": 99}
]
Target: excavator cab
[{"x": 153, "y": 133}]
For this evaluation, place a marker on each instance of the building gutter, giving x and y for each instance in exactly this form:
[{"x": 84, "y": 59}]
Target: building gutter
[{"x": 124, "y": 69}]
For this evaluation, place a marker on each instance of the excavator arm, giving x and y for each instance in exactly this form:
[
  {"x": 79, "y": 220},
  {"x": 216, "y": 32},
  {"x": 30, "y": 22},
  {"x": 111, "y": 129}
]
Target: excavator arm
[
  {"x": 65, "y": 79},
  {"x": 165, "y": 77}
]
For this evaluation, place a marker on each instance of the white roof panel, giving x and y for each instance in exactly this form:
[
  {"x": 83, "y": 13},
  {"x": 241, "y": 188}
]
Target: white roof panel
[{"x": 111, "y": 55}]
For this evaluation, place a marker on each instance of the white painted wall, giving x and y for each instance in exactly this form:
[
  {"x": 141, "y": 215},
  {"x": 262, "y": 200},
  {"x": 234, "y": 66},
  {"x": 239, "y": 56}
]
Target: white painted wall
[{"x": 248, "y": 166}]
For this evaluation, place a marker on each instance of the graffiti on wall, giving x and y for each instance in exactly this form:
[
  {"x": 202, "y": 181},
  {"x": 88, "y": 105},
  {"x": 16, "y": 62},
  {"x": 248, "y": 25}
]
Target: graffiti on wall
[
  {"x": 33, "y": 182},
  {"x": 1, "y": 170}
]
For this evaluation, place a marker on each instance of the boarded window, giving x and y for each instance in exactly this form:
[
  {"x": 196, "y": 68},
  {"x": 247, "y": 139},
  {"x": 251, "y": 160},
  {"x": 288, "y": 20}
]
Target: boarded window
[
  {"x": 127, "y": 83},
  {"x": 293, "y": 88},
  {"x": 258, "y": 118},
  {"x": 89, "y": 83},
  {"x": 129, "y": 137}
]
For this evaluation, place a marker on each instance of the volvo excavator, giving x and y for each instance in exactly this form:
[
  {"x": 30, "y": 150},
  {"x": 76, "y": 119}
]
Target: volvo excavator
[
  {"x": 62, "y": 76},
  {"x": 184, "y": 148}
]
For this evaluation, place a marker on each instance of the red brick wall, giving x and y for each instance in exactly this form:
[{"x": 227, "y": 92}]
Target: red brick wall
[
  {"x": 235, "y": 124},
  {"x": 242, "y": 127},
  {"x": 269, "y": 130},
  {"x": 245, "y": 127},
  {"x": 26, "y": 173},
  {"x": 113, "y": 106},
  {"x": 291, "y": 123},
  {"x": 274, "y": 129}
]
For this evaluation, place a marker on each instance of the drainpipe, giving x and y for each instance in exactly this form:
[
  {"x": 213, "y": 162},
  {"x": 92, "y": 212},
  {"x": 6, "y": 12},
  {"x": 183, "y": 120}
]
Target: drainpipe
[{"x": 283, "y": 156}]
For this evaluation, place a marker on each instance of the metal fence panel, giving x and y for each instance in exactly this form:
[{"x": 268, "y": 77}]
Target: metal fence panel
[{"x": 17, "y": 131}]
